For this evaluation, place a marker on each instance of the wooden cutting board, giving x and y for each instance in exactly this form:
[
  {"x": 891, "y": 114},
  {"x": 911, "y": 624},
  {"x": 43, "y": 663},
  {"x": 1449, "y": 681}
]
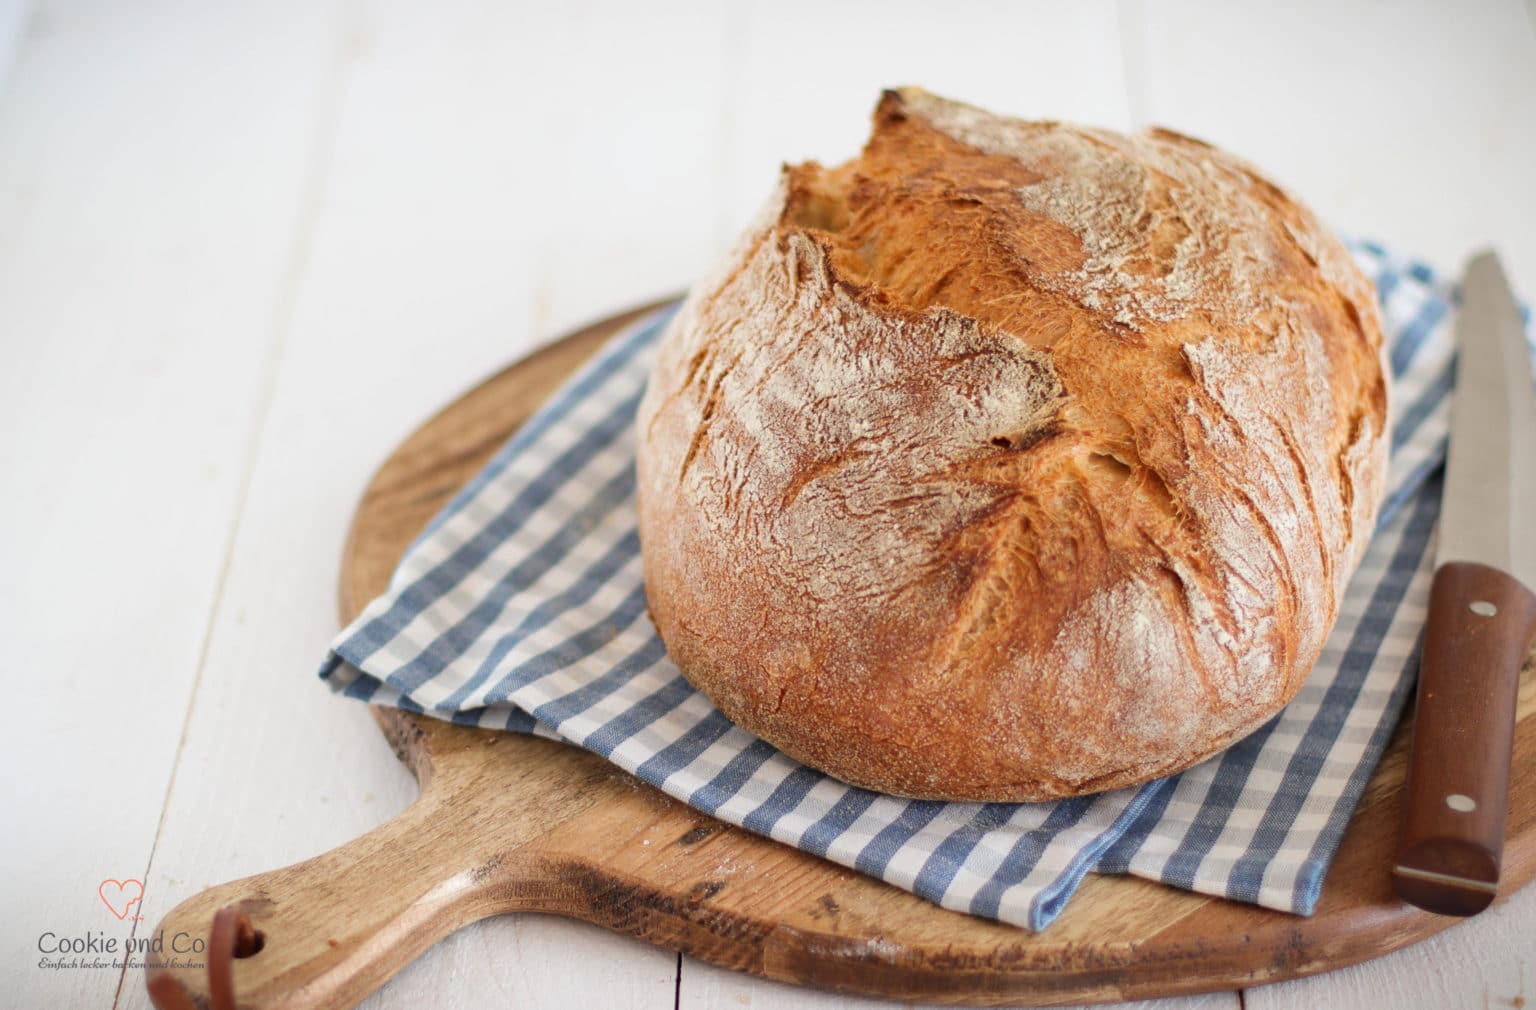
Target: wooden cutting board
[{"x": 508, "y": 823}]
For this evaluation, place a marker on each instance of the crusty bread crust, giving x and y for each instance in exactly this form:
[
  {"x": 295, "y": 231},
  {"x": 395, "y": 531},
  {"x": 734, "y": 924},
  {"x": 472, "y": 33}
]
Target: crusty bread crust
[{"x": 1012, "y": 460}]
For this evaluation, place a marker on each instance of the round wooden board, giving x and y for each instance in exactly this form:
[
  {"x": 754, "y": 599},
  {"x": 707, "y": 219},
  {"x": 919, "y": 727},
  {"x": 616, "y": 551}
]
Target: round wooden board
[{"x": 510, "y": 823}]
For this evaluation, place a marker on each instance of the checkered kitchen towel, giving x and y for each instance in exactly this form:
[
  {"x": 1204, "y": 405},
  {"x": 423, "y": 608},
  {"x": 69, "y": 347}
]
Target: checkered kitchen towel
[{"x": 522, "y": 608}]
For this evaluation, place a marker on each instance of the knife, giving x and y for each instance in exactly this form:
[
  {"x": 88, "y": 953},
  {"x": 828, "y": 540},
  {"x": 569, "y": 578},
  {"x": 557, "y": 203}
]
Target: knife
[{"x": 1482, "y": 614}]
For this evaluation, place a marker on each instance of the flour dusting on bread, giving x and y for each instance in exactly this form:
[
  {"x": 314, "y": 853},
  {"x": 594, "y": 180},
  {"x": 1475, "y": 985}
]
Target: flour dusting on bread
[{"x": 1012, "y": 460}]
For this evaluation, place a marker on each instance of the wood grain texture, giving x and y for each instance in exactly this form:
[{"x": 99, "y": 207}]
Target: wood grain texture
[
  {"x": 1469, "y": 682},
  {"x": 509, "y": 823},
  {"x": 707, "y": 987},
  {"x": 1483, "y": 963}
]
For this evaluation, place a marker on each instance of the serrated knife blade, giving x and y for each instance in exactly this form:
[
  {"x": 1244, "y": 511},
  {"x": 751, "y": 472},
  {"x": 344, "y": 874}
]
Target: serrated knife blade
[
  {"x": 1482, "y": 613},
  {"x": 1490, "y": 476}
]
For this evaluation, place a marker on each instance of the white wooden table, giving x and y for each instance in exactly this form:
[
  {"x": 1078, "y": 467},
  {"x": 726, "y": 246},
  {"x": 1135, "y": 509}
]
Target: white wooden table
[{"x": 244, "y": 248}]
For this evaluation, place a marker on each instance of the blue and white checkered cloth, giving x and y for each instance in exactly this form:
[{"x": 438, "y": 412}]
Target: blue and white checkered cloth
[{"x": 522, "y": 608}]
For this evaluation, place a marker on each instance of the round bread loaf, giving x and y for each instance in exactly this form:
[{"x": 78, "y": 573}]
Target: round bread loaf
[{"x": 1012, "y": 460}]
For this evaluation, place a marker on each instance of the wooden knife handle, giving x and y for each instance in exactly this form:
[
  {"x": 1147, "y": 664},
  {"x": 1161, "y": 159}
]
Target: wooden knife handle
[{"x": 1457, "y": 795}]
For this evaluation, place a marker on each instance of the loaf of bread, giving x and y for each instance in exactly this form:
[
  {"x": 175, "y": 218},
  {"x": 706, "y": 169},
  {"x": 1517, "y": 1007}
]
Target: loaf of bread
[{"x": 1012, "y": 460}]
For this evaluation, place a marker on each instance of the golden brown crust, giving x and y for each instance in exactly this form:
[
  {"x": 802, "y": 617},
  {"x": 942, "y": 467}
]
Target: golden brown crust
[{"x": 1012, "y": 460}]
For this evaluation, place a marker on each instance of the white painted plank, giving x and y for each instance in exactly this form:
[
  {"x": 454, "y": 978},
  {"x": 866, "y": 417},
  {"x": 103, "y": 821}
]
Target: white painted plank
[
  {"x": 439, "y": 213},
  {"x": 13, "y": 19},
  {"x": 808, "y": 74},
  {"x": 1413, "y": 123},
  {"x": 1485, "y": 963},
  {"x": 705, "y": 987},
  {"x": 623, "y": 147},
  {"x": 148, "y": 193}
]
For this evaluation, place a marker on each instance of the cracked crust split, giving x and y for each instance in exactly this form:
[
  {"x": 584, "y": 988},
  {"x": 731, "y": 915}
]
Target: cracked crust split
[{"x": 1012, "y": 460}]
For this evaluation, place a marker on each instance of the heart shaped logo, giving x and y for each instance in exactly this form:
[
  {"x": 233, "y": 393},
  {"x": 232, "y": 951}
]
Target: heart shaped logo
[{"x": 121, "y": 895}]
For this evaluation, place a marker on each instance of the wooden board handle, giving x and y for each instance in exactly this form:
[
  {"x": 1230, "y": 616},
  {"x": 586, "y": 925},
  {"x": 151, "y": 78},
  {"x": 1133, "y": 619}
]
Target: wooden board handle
[
  {"x": 328, "y": 931},
  {"x": 1457, "y": 794}
]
